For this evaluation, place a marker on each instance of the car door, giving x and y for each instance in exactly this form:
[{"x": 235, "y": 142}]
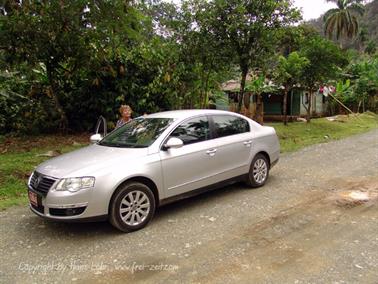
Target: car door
[
  {"x": 233, "y": 141},
  {"x": 191, "y": 166}
]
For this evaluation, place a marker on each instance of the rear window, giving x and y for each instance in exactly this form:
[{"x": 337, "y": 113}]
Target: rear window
[
  {"x": 226, "y": 125},
  {"x": 193, "y": 130}
]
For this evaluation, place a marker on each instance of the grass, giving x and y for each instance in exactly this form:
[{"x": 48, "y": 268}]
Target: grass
[
  {"x": 19, "y": 155},
  {"x": 297, "y": 135}
]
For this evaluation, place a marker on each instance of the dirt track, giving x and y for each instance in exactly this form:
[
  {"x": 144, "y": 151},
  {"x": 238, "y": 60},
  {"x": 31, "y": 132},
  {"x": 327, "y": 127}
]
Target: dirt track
[{"x": 293, "y": 230}]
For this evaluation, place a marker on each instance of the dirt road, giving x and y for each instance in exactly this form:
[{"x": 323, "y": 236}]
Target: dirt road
[{"x": 293, "y": 230}]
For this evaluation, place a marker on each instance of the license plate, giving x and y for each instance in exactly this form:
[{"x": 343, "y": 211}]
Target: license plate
[{"x": 33, "y": 198}]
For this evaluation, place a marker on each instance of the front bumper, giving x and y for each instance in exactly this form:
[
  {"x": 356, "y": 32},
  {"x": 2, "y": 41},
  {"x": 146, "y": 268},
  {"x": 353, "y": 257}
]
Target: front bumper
[
  {"x": 69, "y": 219},
  {"x": 67, "y": 206}
]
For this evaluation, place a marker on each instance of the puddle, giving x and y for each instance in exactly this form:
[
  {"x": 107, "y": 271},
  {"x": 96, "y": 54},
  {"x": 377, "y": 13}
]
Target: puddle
[{"x": 356, "y": 192}]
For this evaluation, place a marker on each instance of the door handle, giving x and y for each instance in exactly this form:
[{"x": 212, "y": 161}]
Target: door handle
[
  {"x": 247, "y": 143},
  {"x": 211, "y": 152}
]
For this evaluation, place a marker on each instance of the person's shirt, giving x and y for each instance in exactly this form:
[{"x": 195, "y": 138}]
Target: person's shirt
[{"x": 120, "y": 122}]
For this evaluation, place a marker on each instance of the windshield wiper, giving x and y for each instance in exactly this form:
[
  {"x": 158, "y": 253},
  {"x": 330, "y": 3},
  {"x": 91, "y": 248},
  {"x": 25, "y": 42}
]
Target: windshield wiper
[
  {"x": 118, "y": 145},
  {"x": 139, "y": 146}
]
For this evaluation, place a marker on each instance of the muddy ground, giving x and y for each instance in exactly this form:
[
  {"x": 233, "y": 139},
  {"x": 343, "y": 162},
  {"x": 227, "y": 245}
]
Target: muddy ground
[{"x": 301, "y": 227}]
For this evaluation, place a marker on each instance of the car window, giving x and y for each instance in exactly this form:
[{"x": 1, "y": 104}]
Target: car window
[
  {"x": 193, "y": 130},
  {"x": 226, "y": 125},
  {"x": 137, "y": 133}
]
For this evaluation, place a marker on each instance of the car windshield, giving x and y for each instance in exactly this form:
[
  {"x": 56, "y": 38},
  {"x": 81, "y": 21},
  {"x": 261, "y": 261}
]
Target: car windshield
[{"x": 138, "y": 133}]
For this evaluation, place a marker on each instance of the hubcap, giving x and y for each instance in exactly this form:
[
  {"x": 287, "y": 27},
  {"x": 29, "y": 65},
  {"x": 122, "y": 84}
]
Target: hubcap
[
  {"x": 260, "y": 170},
  {"x": 134, "y": 208}
]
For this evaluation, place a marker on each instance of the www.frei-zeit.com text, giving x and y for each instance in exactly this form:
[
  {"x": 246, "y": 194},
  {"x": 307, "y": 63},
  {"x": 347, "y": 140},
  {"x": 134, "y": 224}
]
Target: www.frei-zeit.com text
[{"x": 44, "y": 268}]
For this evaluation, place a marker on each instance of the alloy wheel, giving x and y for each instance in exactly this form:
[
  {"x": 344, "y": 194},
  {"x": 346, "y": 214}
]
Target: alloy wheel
[{"x": 134, "y": 208}]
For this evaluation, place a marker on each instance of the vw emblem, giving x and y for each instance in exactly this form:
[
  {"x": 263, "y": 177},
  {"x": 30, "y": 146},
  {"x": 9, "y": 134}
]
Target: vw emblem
[{"x": 37, "y": 181}]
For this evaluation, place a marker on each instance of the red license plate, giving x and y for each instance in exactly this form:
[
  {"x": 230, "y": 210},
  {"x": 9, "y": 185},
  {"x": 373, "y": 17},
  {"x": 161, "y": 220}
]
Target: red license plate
[{"x": 33, "y": 198}]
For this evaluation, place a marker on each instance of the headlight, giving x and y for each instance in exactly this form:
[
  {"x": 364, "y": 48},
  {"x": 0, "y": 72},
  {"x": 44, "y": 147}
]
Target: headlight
[{"x": 75, "y": 184}]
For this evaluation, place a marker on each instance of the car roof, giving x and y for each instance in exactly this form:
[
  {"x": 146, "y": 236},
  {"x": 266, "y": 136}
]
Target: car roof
[{"x": 188, "y": 113}]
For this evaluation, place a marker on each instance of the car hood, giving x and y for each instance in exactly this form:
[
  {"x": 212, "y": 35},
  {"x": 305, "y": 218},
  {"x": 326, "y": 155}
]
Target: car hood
[{"x": 88, "y": 160}]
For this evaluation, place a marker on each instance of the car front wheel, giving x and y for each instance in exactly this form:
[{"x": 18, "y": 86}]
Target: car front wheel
[
  {"x": 259, "y": 171},
  {"x": 132, "y": 207}
]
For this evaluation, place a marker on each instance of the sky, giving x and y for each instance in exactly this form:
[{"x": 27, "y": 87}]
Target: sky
[{"x": 312, "y": 9}]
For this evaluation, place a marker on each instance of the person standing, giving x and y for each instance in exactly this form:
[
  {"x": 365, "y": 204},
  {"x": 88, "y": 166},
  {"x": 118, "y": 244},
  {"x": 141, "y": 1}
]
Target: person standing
[{"x": 125, "y": 112}]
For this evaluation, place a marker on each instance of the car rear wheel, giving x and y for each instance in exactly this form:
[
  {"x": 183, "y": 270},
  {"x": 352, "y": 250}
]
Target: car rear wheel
[
  {"x": 258, "y": 171},
  {"x": 132, "y": 207}
]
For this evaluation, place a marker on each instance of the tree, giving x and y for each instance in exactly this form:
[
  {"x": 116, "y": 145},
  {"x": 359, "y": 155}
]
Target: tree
[
  {"x": 64, "y": 38},
  {"x": 325, "y": 60},
  {"x": 258, "y": 85},
  {"x": 289, "y": 73},
  {"x": 290, "y": 38},
  {"x": 364, "y": 82},
  {"x": 342, "y": 21},
  {"x": 197, "y": 61},
  {"x": 248, "y": 28}
]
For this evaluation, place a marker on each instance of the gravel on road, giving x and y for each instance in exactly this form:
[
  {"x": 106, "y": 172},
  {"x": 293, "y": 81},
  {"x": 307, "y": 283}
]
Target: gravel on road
[{"x": 292, "y": 230}]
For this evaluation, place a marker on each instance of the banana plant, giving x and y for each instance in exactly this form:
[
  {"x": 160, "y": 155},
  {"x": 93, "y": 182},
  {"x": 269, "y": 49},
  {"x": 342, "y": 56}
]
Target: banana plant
[
  {"x": 342, "y": 88},
  {"x": 258, "y": 86}
]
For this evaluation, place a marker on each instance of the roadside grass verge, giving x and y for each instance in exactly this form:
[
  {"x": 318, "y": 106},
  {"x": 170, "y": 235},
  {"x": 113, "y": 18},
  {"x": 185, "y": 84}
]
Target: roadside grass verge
[
  {"x": 20, "y": 155},
  {"x": 297, "y": 135}
]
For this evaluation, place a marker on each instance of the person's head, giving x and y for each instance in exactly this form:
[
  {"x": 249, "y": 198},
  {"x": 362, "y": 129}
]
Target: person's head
[{"x": 125, "y": 111}]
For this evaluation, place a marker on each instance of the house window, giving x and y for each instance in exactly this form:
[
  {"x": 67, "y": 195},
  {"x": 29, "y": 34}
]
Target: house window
[
  {"x": 233, "y": 97},
  {"x": 307, "y": 97}
]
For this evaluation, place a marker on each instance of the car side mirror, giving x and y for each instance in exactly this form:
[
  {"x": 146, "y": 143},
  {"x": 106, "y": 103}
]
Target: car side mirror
[
  {"x": 95, "y": 138},
  {"x": 174, "y": 143}
]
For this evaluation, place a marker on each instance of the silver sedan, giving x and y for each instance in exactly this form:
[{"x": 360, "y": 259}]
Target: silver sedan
[{"x": 150, "y": 161}]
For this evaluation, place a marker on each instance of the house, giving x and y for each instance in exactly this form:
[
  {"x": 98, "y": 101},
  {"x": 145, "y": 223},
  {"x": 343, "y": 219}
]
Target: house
[
  {"x": 272, "y": 102},
  {"x": 297, "y": 104},
  {"x": 231, "y": 91}
]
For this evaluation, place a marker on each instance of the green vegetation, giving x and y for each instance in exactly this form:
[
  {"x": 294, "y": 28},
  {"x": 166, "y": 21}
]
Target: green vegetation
[
  {"x": 298, "y": 135},
  {"x": 342, "y": 20},
  {"x": 15, "y": 169},
  {"x": 65, "y": 64},
  {"x": 250, "y": 28},
  {"x": 289, "y": 73},
  {"x": 366, "y": 39}
]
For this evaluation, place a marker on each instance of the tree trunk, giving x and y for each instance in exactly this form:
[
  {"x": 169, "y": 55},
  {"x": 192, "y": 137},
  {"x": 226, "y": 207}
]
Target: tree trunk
[
  {"x": 259, "y": 109},
  {"x": 285, "y": 106},
  {"x": 247, "y": 102},
  {"x": 53, "y": 92},
  {"x": 242, "y": 86},
  {"x": 206, "y": 101},
  {"x": 207, "y": 80},
  {"x": 308, "y": 118}
]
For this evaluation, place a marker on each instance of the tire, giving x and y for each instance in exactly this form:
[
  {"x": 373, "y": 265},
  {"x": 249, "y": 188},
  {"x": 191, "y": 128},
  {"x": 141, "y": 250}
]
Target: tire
[
  {"x": 132, "y": 207},
  {"x": 258, "y": 171}
]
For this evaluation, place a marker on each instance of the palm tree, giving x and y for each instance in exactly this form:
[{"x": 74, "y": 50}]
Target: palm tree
[{"x": 342, "y": 20}]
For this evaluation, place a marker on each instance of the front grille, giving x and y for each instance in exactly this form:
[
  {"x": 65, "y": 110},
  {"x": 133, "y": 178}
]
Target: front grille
[{"x": 41, "y": 183}]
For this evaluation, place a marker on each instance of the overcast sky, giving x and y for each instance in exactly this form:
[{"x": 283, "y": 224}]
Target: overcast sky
[{"x": 312, "y": 9}]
